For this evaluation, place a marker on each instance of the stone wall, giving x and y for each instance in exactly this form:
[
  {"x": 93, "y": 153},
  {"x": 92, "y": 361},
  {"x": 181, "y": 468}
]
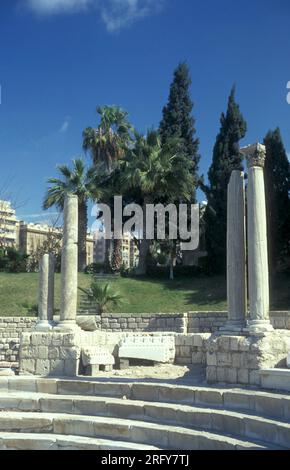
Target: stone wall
[
  {"x": 160, "y": 322},
  {"x": 191, "y": 349},
  {"x": 56, "y": 353},
  {"x": 237, "y": 359},
  {"x": 205, "y": 322},
  {"x": 10, "y": 330},
  {"x": 46, "y": 354},
  {"x": 192, "y": 322}
]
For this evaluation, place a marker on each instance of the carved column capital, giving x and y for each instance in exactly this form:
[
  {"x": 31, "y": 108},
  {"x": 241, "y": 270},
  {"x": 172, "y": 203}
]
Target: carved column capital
[{"x": 255, "y": 155}]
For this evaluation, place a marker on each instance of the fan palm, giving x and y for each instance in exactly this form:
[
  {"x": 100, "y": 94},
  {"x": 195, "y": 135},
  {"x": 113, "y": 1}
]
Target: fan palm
[
  {"x": 103, "y": 296},
  {"x": 161, "y": 173},
  {"x": 108, "y": 142},
  {"x": 81, "y": 182},
  {"x": 107, "y": 145}
]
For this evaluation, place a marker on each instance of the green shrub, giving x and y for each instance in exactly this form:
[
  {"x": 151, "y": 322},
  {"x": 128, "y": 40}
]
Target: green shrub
[
  {"x": 103, "y": 296},
  {"x": 12, "y": 261}
]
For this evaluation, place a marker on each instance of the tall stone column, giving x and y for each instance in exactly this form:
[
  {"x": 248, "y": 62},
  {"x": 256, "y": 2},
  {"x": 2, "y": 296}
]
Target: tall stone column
[
  {"x": 51, "y": 269},
  {"x": 236, "y": 255},
  {"x": 45, "y": 293},
  {"x": 258, "y": 274},
  {"x": 69, "y": 265}
]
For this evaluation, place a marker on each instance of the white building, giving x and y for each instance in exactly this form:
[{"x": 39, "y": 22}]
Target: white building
[{"x": 8, "y": 225}]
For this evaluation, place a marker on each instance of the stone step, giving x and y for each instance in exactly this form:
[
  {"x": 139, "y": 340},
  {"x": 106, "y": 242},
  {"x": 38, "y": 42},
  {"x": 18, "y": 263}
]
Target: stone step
[
  {"x": 34, "y": 441},
  {"x": 239, "y": 424},
  {"x": 271, "y": 405},
  {"x": 152, "y": 434}
]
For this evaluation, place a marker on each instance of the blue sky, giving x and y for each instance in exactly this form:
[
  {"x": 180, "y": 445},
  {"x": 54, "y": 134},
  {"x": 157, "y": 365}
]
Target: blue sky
[{"x": 61, "y": 58}]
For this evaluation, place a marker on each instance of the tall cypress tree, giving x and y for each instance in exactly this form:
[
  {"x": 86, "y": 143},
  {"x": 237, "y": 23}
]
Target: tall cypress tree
[
  {"x": 226, "y": 157},
  {"x": 177, "y": 121},
  {"x": 277, "y": 189}
]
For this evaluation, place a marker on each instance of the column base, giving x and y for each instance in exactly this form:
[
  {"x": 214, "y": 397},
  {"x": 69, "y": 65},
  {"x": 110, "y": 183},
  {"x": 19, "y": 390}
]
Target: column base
[
  {"x": 67, "y": 325},
  {"x": 43, "y": 325},
  {"x": 256, "y": 327},
  {"x": 233, "y": 327}
]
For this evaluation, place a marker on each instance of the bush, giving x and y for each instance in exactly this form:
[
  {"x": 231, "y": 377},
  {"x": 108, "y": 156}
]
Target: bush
[
  {"x": 12, "y": 261},
  {"x": 103, "y": 296},
  {"x": 94, "y": 268}
]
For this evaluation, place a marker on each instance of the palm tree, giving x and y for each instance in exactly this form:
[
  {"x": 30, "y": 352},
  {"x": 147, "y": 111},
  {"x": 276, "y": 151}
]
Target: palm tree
[
  {"x": 161, "y": 173},
  {"x": 82, "y": 183},
  {"x": 109, "y": 141},
  {"x": 108, "y": 144},
  {"x": 103, "y": 296}
]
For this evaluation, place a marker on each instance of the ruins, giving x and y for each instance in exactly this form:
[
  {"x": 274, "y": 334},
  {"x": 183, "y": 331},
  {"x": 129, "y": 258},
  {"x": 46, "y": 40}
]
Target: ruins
[{"x": 245, "y": 351}]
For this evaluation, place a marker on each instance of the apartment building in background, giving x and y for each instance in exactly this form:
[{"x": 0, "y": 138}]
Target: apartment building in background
[
  {"x": 32, "y": 236},
  {"x": 130, "y": 252},
  {"x": 8, "y": 225}
]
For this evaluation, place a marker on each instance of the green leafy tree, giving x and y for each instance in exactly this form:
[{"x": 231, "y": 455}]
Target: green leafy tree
[
  {"x": 178, "y": 122},
  {"x": 277, "y": 189},
  {"x": 226, "y": 158},
  {"x": 107, "y": 145},
  {"x": 81, "y": 182}
]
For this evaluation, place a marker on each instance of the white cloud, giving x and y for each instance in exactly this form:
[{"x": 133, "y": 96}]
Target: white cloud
[
  {"x": 49, "y": 7},
  {"x": 65, "y": 125},
  {"x": 116, "y": 14}
]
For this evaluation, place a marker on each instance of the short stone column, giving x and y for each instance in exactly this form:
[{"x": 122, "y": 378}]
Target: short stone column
[
  {"x": 258, "y": 273},
  {"x": 69, "y": 265},
  {"x": 45, "y": 293},
  {"x": 236, "y": 255}
]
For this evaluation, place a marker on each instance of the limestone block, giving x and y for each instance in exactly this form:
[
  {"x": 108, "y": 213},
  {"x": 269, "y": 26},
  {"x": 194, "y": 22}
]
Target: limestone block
[
  {"x": 224, "y": 359},
  {"x": 159, "y": 349},
  {"x": 275, "y": 379},
  {"x": 211, "y": 374},
  {"x": 243, "y": 376},
  {"x": 221, "y": 374},
  {"x": 234, "y": 343},
  {"x": 42, "y": 367},
  {"x": 71, "y": 367},
  {"x": 42, "y": 352},
  {"x": 231, "y": 375},
  {"x": 254, "y": 377},
  {"x": 197, "y": 340},
  {"x": 236, "y": 360},
  {"x": 198, "y": 358},
  {"x": 211, "y": 359},
  {"x": 28, "y": 366},
  {"x": 56, "y": 367},
  {"x": 96, "y": 356},
  {"x": 53, "y": 353}
]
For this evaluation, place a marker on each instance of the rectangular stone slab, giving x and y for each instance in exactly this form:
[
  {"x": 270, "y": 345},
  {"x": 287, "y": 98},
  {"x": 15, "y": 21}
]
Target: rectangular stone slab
[
  {"x": 97, "y": 356},
  {"x": 150, "y": 348}
]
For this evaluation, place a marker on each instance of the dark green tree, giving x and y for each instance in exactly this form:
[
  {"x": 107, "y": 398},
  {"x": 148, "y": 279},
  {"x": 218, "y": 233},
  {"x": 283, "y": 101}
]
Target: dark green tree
[
  {"x": 177, "y": 121},
  {"x": 226, "y": 157},
  {"x": 277, "y": 189}
]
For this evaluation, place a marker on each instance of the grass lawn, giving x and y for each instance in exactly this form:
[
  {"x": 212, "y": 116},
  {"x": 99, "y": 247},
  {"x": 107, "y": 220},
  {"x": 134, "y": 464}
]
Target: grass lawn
[{"x": 18, "y": 294}]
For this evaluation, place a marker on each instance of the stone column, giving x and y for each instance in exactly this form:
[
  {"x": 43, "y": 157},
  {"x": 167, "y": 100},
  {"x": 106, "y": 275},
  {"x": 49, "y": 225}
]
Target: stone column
[
  {"x": 50, "y": 308},
  {"x": 45, "y": 293},
  {"x": 69, "y": 265},
  {"x": 236, "y": 255},
  {"x": 258, "y": 274}
]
